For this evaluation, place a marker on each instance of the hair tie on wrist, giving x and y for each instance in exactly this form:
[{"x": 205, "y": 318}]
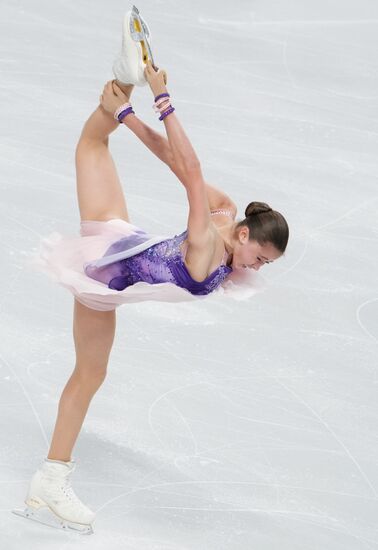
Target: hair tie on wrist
[
  {"x": 124, "y": 114},
  {"x": 121, "y": 108},
  {"x": 166, "y": 113},
  {"x": 162, "y": 100},
  {"x": 161, "y": 95},
  {"x": 161, "y": 105}
]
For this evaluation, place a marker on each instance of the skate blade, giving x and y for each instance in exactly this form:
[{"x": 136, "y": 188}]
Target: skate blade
[
  {"x": 46, "y": 517},
  {"x": 140, "y": 32}
]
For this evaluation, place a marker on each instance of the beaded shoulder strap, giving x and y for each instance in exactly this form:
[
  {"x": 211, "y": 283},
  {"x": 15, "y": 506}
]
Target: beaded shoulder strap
[{"x": 222, "y": 211}]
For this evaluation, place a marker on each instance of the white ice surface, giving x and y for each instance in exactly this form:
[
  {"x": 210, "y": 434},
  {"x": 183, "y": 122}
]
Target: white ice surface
[{"x": 221, "y": 426}]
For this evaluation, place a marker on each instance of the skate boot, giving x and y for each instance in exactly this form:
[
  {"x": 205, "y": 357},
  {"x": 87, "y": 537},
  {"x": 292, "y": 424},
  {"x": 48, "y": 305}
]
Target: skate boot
[
  {"x": 129, "y": 67},
  {"x": 52, "y": 501}
]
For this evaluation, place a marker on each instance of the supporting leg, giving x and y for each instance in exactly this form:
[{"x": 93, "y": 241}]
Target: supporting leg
[{"x": 93, "y": 336}]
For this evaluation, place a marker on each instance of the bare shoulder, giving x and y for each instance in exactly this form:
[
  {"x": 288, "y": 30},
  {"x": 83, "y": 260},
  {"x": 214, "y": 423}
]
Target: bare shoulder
[
  {"x": 203, "y": 256},
  {"x": 199, "y": 256}
]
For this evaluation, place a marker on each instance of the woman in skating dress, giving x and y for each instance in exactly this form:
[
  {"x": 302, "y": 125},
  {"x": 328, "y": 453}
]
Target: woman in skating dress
[{"x": 114, "y": 262}]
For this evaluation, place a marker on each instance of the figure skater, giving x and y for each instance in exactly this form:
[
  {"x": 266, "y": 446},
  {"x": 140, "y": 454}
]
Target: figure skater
[{"x": 115, "y": 262}]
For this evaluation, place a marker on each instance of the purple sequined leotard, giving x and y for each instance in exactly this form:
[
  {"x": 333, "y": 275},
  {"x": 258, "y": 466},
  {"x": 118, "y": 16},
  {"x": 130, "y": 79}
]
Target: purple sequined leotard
[{"x": 158, "y": 263}]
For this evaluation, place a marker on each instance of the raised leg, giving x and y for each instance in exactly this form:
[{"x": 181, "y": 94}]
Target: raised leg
[{"x": 99, "y": 190}]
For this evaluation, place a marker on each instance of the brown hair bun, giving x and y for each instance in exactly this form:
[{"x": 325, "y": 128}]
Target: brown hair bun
[{"x": 255, "y": 208}]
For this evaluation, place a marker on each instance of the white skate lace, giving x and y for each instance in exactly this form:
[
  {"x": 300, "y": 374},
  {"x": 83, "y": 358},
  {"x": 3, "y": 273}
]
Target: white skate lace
[{"x": 69, "y": 493}]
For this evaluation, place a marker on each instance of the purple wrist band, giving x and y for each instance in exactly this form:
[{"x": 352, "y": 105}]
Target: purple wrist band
[
  {"x": 160, "y": 96},
  {"x": 166, "y": 113},
  {"x": 124, "y": 114}
]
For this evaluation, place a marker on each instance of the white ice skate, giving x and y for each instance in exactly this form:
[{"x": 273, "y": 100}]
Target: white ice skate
[
  {"x": 129, "y": 67},
  {"x": 52, "y": 501}
]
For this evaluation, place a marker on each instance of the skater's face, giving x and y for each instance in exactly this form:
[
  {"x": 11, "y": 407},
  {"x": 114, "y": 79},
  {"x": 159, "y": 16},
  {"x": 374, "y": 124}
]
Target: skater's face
[{"x": 250, "y": 254}]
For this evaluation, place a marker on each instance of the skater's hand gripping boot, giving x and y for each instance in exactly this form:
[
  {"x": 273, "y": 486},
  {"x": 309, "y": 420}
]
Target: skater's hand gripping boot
[
  {"x": 156, "y": 78},
  {"x": 112, "y": 97}
]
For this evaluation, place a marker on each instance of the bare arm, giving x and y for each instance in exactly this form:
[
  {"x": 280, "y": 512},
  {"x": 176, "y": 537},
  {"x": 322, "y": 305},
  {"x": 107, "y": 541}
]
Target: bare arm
[
  {"x": 182, "y": 159},
  {"x": 185, "y": 160},
  {"x": 159, "y": 145}
]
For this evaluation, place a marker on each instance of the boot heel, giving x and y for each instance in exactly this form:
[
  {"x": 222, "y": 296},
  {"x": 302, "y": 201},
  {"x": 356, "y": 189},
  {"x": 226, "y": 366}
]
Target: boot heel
[{"x": 35, "y": 503}]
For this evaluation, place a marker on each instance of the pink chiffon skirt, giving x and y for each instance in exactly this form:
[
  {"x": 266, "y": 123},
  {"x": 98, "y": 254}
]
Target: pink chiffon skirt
[{"x": 62, "y": 257}]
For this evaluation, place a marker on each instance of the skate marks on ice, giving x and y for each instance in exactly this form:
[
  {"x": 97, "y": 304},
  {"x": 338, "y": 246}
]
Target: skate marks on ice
[
  {"x": 27, "y": 397},
  {"x": 275, "y": 448}
]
